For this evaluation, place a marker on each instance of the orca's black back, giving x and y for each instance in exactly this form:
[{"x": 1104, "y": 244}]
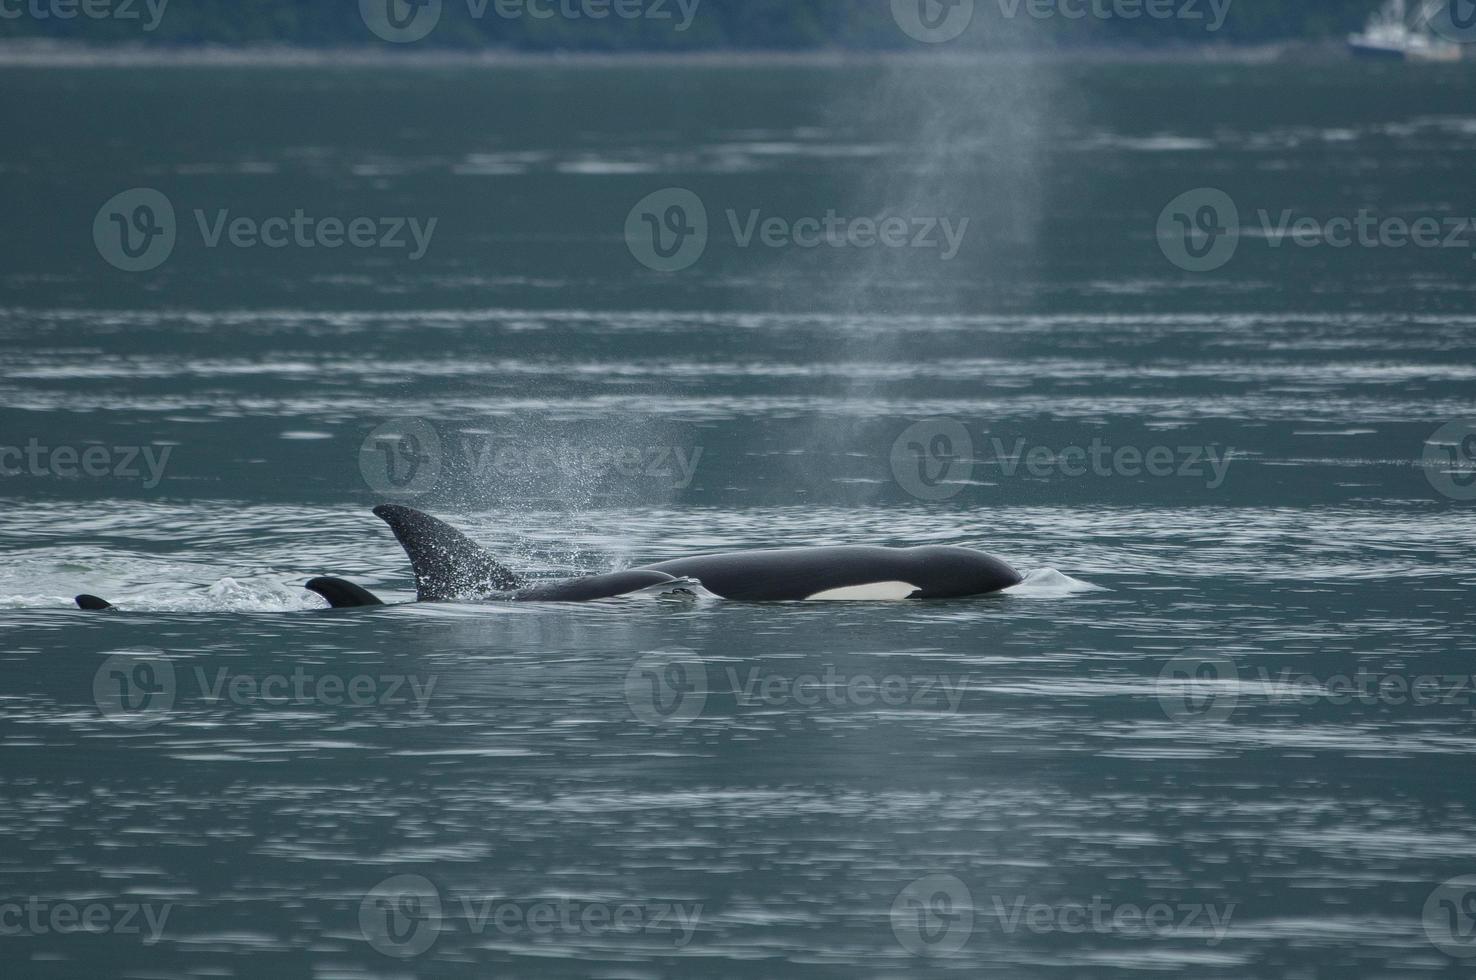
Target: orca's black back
[{"x": 798, "y": 573}]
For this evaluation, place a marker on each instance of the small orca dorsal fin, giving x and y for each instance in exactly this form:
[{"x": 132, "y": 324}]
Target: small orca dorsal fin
[
  {"x": 93, "y": 602},
  {"x": 342, "y": 594},
  {"x": 448, "y": 564}
]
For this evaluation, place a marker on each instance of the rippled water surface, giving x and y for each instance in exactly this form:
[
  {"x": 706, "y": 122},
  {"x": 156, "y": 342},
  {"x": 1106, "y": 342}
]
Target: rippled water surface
[{"x": 1190, "y": 744}]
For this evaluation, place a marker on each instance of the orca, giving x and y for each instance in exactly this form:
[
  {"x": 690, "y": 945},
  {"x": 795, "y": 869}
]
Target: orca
[{"x": 449, "y": 566}]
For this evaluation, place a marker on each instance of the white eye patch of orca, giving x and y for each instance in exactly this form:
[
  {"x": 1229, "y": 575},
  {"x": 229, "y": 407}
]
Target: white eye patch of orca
[{"x": 873, "y": 591}]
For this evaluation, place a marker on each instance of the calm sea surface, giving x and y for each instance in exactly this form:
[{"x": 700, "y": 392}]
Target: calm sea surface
[{"x": 1225, "y": 729}]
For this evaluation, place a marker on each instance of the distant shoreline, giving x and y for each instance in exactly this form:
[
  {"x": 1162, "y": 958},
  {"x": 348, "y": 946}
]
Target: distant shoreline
[{"x": 63, "y": 54}]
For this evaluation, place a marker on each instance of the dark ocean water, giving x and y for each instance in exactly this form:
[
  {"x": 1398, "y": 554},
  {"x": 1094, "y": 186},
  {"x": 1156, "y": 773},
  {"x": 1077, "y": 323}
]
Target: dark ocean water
[{"x": 1224, "y": 730}]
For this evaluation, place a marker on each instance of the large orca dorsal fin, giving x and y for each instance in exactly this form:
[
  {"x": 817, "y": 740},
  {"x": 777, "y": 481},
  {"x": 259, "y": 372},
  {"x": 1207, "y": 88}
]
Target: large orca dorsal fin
[{"x": 448, "y": 564}]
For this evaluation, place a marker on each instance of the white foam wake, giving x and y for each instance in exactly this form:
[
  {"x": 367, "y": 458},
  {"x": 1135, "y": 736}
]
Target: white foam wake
[
  {"x": 1049, "y": 583},
  {"x": 226, "y": 595}
]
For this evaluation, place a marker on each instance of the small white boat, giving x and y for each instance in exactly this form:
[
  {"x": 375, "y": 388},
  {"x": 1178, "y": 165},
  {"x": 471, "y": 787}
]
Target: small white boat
[{"x": 1392, "y": 33}]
